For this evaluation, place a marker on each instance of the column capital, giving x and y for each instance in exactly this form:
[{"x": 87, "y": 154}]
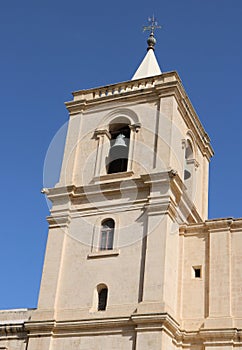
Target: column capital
[
  {"x": 102, "y": 132},
  {"x": 135, "y": 127}
]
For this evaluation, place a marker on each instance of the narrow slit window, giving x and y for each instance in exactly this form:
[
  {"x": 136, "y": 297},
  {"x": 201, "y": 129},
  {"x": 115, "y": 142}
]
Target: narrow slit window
[{"x": 102, "y": 299}]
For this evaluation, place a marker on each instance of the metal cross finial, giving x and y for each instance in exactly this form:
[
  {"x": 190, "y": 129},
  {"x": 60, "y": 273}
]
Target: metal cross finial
[
  {"x": 153, "y": 24},
  {"x": 151, "y": 27}
]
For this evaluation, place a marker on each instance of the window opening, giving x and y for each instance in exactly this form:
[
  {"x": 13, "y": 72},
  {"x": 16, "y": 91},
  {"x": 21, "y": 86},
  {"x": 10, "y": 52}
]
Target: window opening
[
  {"x": 188, "y": 156},
  {"x": 197, "y": 271},
  {"x": 119, "y": 148},
  {"x": 189, "y": 151},
  {"x": 102, "y": 299},
  {"x": 107, "y": 233}
]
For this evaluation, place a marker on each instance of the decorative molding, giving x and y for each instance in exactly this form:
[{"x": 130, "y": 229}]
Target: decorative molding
[
  {"x": 114, "y": 176},
  {"x": 13, "y": 330},
  {"x": 58, "y": 221},
  {"x": 103, "y": 254},
  {"x": 136, "y": 323},
  {"x": 213, "y": 225}
]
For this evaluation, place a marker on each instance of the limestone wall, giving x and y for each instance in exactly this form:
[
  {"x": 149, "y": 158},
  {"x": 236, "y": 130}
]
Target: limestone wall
[{"x": 212, "y": 299}]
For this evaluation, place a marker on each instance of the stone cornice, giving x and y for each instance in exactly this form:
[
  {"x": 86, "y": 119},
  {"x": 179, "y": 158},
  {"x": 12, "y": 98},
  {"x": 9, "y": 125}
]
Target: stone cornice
[
  {"x": 212, "y": 225},
  {"x": 85, "y": 99},
  {"x": 155, "y": 322},
  {"x": 12, "y": 330},
  {"x": 59, "y": 220},
  {"x": 78, "y": 327},
  {"x": 110, "y": 325},
  {"x": 150, "y": 321},
  {"x": 40, "y": 328},
  {"x": 213, "y": 337},
  {"x": 158, "y": 193}
]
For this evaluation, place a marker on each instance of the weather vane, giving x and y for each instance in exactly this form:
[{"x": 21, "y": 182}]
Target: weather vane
[{"x": 153, "y": 24}]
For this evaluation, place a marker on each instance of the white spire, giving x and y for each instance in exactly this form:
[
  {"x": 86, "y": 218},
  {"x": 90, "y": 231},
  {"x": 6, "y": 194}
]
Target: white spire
[{"x": 148, "y": 67}]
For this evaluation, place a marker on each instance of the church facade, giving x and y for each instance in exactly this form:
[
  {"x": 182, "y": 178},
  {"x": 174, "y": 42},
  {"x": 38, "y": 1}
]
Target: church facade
[{"x": 132, "y": 261}]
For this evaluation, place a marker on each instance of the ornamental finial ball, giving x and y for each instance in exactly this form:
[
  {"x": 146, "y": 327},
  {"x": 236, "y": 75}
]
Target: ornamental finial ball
[{"x": 151, "y": 41}]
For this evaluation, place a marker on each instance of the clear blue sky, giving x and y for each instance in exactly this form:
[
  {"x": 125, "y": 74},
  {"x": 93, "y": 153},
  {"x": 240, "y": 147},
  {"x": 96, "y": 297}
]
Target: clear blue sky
[{"x": 50, "y": 48}]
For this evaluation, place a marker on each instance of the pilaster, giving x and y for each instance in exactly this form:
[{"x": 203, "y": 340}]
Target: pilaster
[{"x": 220, "y": 303}]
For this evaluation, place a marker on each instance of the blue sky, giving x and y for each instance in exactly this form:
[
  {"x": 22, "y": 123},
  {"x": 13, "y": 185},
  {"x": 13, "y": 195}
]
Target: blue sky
[{"x": 51, "y": 48}]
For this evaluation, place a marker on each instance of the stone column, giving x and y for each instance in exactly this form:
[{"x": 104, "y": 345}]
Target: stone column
[
  {"x": 134, "y": 128},
  {"x": 103, "y": 137}
]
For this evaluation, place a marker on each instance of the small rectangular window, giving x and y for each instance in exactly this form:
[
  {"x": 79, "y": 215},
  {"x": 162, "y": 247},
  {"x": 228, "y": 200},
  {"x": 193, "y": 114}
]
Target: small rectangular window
[{"x": 197, "y": 271}]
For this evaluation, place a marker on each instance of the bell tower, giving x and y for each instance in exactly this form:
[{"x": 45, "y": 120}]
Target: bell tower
[{"x": 134, "y": 171}]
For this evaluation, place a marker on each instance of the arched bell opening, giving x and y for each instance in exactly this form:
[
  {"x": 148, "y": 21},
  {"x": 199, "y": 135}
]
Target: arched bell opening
[
  {"x": 189, "y": 154},
  {"x": 119, "y": 148},
  {"x": 189, "y": 168}
]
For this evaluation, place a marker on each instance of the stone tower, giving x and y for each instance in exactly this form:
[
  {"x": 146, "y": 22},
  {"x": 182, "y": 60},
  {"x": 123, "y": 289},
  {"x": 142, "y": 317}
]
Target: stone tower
[{"x": 127, "y": 262}]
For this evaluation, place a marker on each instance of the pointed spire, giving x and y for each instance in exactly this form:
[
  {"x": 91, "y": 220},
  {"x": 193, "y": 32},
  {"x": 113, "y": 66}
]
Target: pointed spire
[{"x": 149, "y": 66}]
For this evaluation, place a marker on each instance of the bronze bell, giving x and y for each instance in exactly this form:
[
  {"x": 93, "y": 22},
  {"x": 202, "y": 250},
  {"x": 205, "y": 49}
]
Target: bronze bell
[
  {"x": 119, "y": 141},
  {"x": 119, "y": 149}
]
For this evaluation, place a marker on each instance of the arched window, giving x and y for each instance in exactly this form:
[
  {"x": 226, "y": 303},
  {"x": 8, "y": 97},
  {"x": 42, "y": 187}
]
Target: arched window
[
  {"x": 189, "y": 169},
  {"x": 188, "y": 157},
  {"x": 189, "y": 151},
  {"x": 119, "y": 148},
  {"x": 102, "y": 299},
  {"x": 106, "y": 235}
]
